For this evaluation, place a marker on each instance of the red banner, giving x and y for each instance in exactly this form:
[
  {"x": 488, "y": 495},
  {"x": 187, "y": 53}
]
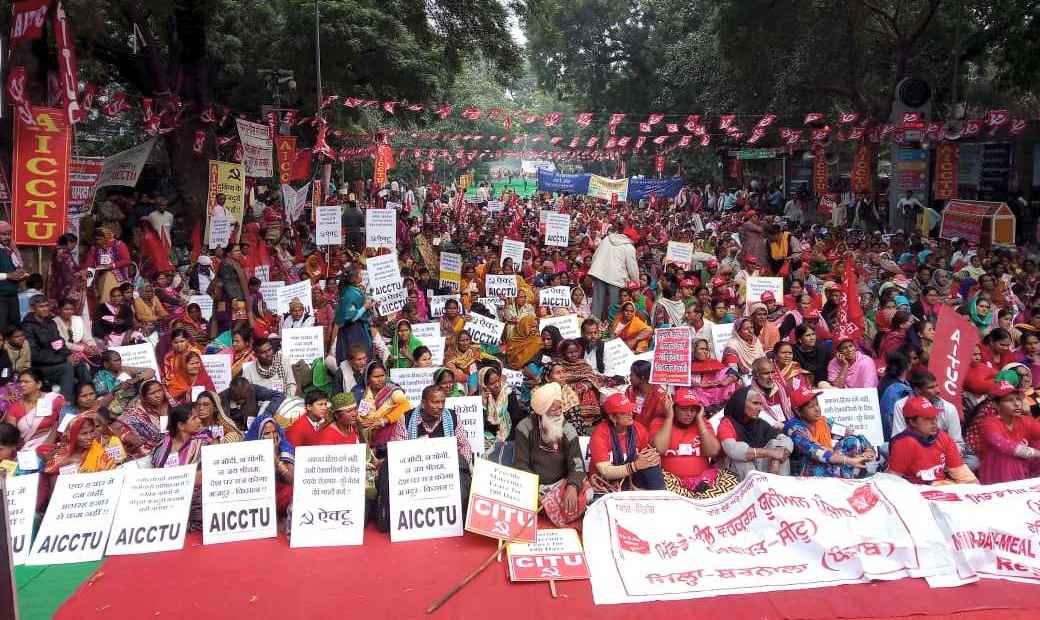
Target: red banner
[
  {"x": 819, "y": 170},
  {"x": 67, "y": 72},
  {"x": 947, "y": 161},
  {"x": 40, "y": 178},
  {"x": 659, "y": 164},
  {"x": 953, "y": 348},
  {"x": 384, "y": 162},
  {"x": 861, "y": 169},
  {"x": 83, "y": 174},
  {"x": 285, "y": 148},
  {"x": 27, "y": 19}
]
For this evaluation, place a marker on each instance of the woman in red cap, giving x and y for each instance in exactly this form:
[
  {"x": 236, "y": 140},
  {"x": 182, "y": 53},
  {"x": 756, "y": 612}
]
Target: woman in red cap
[
  {"x": 685, "y": 440},
  {"x": 1008, "y": 441},
  {"x": 620, "y": 451},
  {"x": 924, "y": 454},
  {"x": 815, "y": 451}
]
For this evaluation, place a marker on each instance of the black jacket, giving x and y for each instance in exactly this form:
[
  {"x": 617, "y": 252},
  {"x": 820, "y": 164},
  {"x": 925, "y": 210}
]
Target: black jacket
[{"x": 41, "y": 333}]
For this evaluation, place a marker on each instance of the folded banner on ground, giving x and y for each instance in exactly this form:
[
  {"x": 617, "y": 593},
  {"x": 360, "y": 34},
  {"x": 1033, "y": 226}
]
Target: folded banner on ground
[{"x": 770, "y": 533}]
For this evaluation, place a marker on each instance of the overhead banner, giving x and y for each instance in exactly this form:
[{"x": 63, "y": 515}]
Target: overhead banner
[
  {"x": 40, "y": 178},
  {"x": 819, "y": 168},
  {"x": 328, "y": 508},
  {"x": 947, "y": 170},
  {"x": 124, "y": 168},
  {"x": 770, "y": 533},
  {"x": 425, "y": 491},
  {"x": 78, "y": 519},
  {"x": 951, "y": 357},
  {"x": 257, "y": 148},
  {"x": 641, "y": 187},
  {"x": 238, "y": 492},
  {"x": 558, "y": 183},
  {"x": 152, "y": 514},
  {"x": 285, "y": 146},
  {"x": 602, "y": 187}
]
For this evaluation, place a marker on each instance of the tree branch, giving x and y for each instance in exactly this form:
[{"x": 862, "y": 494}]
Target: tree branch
[
  {"x": 922, "y": 24},
  {"x": 885, "y": 17}
]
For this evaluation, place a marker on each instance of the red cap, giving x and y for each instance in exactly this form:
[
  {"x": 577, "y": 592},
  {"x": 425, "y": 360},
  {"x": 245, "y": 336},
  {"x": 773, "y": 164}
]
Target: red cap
[
  {"x": 684, "y": 397},
  {"x": 979, "y": 379},
  {"x": 618, "y": 403},
  {"x": 713, "y": 264},
  {"x": 803, "y": 396},
  {"x": 632, "y": 286},
  {"x": 632, "y": 234},
  {"x": 768, "y": 296},
  {"x": 812, "y": 313},
  {"x": 920, "y": 407},
  {"x": 1003, "y": 389},
  {"x": 718, "y": 281},
  {"x": 688, "y": 282}
]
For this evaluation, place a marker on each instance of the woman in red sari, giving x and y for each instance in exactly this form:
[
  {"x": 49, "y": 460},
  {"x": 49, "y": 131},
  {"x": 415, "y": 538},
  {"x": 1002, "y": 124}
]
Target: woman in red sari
[{"x": 189, "y": 379}]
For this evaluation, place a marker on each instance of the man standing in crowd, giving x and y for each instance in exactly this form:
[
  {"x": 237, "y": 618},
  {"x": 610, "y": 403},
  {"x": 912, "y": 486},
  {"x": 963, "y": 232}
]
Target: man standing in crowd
[{"x": 613, "y": 266}]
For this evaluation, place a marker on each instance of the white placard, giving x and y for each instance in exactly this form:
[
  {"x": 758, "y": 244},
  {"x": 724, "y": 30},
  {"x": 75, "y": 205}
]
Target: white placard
[
  {"x": 511, "y": 248},
  {"x": 328, "y": 496},
  {"x": 381, "y": 228},
  {"x": 297, "y": 290},
  {"x": 257, "y": 148},
  {"x": 303, "y": 343},
  {"x": 484, "y": 330},
  {"x": 568, "y": 324},
  {"x": 152, "y": 513},
  {"x": 436, "y": 347},
  {"x": 491, "y": 303},
  {"x": 679, "y": 253},
  {"x": 514, "y": 378},
  {"x": 500, "y": 286},
  {"x": 412, "y": 381},
  {"x": 494, "y": 206},
  {"x": 503, "y": 502},
  {"x": 437, "y": 304},
  {"x": 78, "y": 519},
  {"x": 218, "y": 367},
  {"x": 720, "y": 335},
  {"x": 555, "y": 297},
  {"x": 856, "y": 409},
  {"x": 139, "y": 356},
  {"x": 385, "y": 284},
  {"x": 450, "y": 270},
  {"x": 756, "y": 285},
  {"x": 328, "y": 229},
  {"x": 422, "y": 331},
  {"x": 425, "y": 495},
  {"x": 220, "y": 229},
  {"x": 21, "y": 512},
  {"x": 698, "y": 224},
  {"x": 269, "y": 291},
  {"x": 205, "y": 303},
  {"x": 617, "y": 358},
  {"x": 469, "y": 414},
  {"x": 558, "y": 229},
  {"x": 238, "y": 492}
]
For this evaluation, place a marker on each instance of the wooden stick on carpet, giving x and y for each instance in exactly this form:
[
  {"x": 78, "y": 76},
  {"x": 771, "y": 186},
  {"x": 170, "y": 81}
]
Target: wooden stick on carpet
[{"x": 552, "y": 587}]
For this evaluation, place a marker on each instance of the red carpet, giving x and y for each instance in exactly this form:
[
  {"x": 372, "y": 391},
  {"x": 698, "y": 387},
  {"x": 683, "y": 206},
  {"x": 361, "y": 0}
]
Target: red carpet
[{"x": 267, "y": 579}]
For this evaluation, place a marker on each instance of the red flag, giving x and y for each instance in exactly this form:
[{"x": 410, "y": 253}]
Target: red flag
[
  {"x": 584, "y": 119},
  {"x": 67, "y": 73},
  {"x": 952, "y": 351},
  {"x": 654, "y": 118},
  {"x": 911, "y": 117},
  {"x": 199, "y": 143},
  {"x": 726, "y": 121},
  {"x": 645, "y": 128},
  {"x": 27, "y": 19},
  {"x": 847, "y": 118},
  {"x": 692, "y": 122},
  {"x": 1018, "y": 125},
  {"x": 628, "y": 541},
  {"x": 813, "y": 117},
  {"x": 766, "y": 121},
  {"x": 640, "y": 142},
  {"x": 388, "y": 106},
  {"x": 672, "y": 128},
  {"x": 552, "y": 119},
  {"x": 472, "y": 113},
  {"x": 351, "y": 102}
]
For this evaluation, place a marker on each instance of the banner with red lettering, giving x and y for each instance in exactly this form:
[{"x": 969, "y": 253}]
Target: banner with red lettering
[
  {"x": 947, "y": 161},
  {"x": 503, "y": 502},
  {"x": 285, "y": 148},
  {"x": 993, "y": 530},
  {"x": 953, "y": 348},
  {"x": 556, "y": 555},
  {"x": 27, "y": 20},
  {"x": 819, "y": 168},
  {"x": 861, "y": 169},
  {"x": 672, "y": 356},
  {"x": 770, "y": 533},
  {"x": 40, "y": 178}
]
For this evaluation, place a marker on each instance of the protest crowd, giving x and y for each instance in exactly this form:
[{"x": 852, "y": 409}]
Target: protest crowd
[{"x": 674, "y": 343}]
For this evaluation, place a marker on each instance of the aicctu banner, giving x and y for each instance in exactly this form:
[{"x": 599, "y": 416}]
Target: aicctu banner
[{"x": 638, "y": 187}]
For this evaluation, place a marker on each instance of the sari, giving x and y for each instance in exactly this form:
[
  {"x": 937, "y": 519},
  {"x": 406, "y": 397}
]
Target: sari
[
  {"x": 353, "y": 320},
  {"x": 498, "y": 425},
  {"x": 35, "y": 428},
  {"x": 525, "y": 343},
  {"x": 143, "y": 420},
  {"x": 105, "y": 383},
  {"x": 397, "y": 359},
  {"x": 586, "y": 383},
  {"x": 630, "y": 330},
  {"x": 197, "y": 331},
  {"x": 451, "y": 329},
  {"x": 283, "y": 490},
  {"x": 389, "y": 404},
  {"x": 174, "y": 371},
  {"x": 702, "y": 371},
  {"x": 740, "y": 352},
  {"x": 240, "y": 359},
  {"x": 512, "y": 312},
  {"x": 102, "y": 455},
  {"x": 191, "y": 452}
]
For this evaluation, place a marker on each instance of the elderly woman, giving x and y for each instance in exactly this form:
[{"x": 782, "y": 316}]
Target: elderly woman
[
  {"x": 743, "y": 347},
  {"x": 815, "y": 451},
  {"x": 191, "y": 322},
  {"x": 188, "y": 379},
  {"x": 148, "y": 309},
  {"x": 142, "y": 417},
  {"x": 850, "y": 368},
  {"x": 578, "y": 375},
  {"x": 748, "y": 442},
  {"x": 118, "y": 383},
  {"x": 265, "y": 428},
  {"x": 631, "y": 328}
]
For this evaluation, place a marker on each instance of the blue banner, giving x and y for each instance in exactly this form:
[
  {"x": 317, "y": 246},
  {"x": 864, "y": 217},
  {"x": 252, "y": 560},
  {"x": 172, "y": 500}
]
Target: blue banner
[
  {"x": 549, "y": 181},
  {"x": 639, "y": 188}
]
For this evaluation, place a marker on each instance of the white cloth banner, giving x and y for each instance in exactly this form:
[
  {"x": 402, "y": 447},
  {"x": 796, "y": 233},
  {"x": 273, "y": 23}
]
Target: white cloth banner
[
  {"x": 297, "y": 290},
  {"x": 21, "y": 512},
  {"x": 238, "y": 492},
  {"x": 152, "y": 514},
  {"x": 555, "y": 297},
  {"x": 303, "y": 343},
  {"x": 328, "y": 496},
  {"x": 568, "y": 324},
  {"x": 558, "y": 229},
  {"x": 857, "y": 409},
  {"x": 484, "y": 330},
  {"x": 218, "y": 367},
  {"x": 139, "y": 356},
  {"x": 380, "y": 228},
  {"x": 413, "y": 381},
  {"x": 78, "y": 519},
  {"x": 124, "y": 168},
  {"x": 469, "y": 411},
  {"x": 257, "y": 148},
  {"x": 513, "y": 249},
  {"x": 425, "y": 494},
  {"x": 328, "y": 229},
  {"x": 770, "y": 533}
]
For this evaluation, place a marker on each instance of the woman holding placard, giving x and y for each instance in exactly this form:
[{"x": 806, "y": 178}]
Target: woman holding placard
[
  {"x": 143, "y": 416},
  {"x": 381, "y": 407},
  {"x": 214, "y": 421},
  {"x": 403, "y": 346},
  {"x": 816, "y": 453},
  {"x": 182, "y": 445}
]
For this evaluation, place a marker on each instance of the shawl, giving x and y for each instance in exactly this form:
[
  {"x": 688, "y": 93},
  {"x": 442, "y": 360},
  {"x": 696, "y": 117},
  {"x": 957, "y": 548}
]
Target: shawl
[
  {"x": 286, "y": 452},
  {"x": 238, "y": 360},
  {"x": 628, "y": 330},
  {"x": 446, "y": 420},
  {"x": 190, "y": 452},
  {"x": 524, "y": 344},
  {"x": 174, "y": 371},
  {"x": 746, "y": 353},
  {"x": 820, "y": 431},
  {"x": 979, "y": 321},
  {"x": 142, "y": 420},
  {"x": 496, "y": 408},
  {"x": 400, "y": 361},
  {"x": 676, "y": 310},
  {"x": 753, "y": 431}
]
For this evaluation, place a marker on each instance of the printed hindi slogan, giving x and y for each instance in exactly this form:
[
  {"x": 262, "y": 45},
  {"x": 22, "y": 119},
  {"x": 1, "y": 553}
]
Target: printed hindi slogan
[
  {"x": 329, "y": 496},
  {"x": 238, "y": 492},
  {"x": 425, "y": 494},
  {"x": 152, "y": 514}
]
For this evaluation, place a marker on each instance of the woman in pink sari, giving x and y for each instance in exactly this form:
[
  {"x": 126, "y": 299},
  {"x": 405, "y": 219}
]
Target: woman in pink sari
[
  {"x": 36, "y": 412},
  {"x": 712, "y": 381},
  {"x": 850, "y": 368}
]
